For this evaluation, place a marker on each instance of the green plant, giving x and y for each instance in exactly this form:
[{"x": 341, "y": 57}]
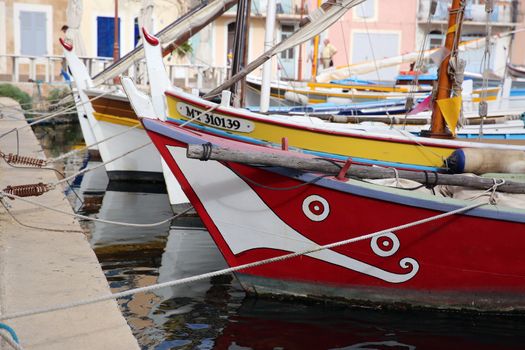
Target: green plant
[
  {"x": 183, "y": 49},
  {"x": 55, "y": 97},
  {"x": 8, "y": 90}
]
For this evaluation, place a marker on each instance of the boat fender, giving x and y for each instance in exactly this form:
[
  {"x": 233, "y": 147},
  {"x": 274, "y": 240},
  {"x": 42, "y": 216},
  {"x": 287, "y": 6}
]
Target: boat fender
[
  {"x": 482, "y": 161},
  {"x": 296, "y": 98}
]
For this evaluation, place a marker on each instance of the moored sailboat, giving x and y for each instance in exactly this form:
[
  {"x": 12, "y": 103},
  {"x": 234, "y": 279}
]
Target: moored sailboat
[{"x": 255, "y": 213}]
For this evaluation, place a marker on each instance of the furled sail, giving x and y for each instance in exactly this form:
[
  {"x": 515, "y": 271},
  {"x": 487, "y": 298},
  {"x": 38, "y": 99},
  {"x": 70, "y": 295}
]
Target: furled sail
[
  {"x": 320, "y": 20},
  {"x": 371, "y": 66}
]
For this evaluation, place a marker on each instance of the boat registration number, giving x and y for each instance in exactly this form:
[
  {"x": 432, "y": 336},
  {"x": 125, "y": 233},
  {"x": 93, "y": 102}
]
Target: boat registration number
[{"x": 215, "y": 120}]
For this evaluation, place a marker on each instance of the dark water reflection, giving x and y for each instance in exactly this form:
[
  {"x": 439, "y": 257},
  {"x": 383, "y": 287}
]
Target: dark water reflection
[{"x": 214, "y": 314}]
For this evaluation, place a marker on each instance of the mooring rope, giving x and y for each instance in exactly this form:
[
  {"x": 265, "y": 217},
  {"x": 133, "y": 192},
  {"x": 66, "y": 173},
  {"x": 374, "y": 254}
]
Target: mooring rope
[
  {"x": 83, "y": 217},
  {"x": 52, "y": 115},
  {"x": 70, "y": 153},
  {"x": 9, "y": 340},
  {"x": 85, "y": 170},
  {"x": 211, "y": 109},
  {"x": 231, "y": 269},
  {"x": 51, "y": 229}
]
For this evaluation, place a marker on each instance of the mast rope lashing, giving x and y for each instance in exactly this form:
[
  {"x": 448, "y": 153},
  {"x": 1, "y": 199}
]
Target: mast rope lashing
[{"x": 206, "y": 151}]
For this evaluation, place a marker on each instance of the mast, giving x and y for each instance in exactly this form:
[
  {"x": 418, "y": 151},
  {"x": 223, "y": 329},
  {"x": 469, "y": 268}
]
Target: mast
[
  {"x": 315, "y": 55},
  {"x": 240, "y": 47},
  {"x": 444, "y": 86},
  {"x": 267, "y": 66}
]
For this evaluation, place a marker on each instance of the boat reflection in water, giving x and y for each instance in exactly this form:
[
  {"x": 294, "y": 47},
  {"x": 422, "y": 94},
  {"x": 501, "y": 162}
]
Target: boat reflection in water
[
  {"x": 265, "y": 324},
  {"x": 136, "y": 204}
]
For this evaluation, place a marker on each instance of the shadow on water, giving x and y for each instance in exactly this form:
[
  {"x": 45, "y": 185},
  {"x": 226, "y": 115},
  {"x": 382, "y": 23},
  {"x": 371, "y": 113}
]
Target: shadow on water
[{"x": 214, "y": 314}]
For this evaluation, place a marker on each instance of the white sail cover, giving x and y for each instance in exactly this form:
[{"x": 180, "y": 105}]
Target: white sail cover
[
  {"x": 370, "y": 66},
  {"x": 320, "y": 20},
  {"x": 146, "y": 15},
  {"x": 74, "y": 18}
]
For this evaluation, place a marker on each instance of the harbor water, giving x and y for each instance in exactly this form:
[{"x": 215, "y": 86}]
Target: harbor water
[{"x": 214, "y": 313}]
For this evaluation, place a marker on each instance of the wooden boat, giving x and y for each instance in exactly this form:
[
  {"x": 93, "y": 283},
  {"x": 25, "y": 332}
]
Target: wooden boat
[
  {"x": 138, "y": 165},
  {"x": 379, "y": 145},
  {"x": 309, "y": 92},
  {"x": 343, "y": 239},
  {"x": 110, "y": 115},
  {"x": 256, "y": 212},
  {"x": 392, "y": 147}
]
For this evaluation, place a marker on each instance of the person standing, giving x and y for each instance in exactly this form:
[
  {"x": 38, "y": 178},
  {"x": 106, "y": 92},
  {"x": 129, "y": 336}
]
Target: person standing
[{"x": 328, "y": 54}]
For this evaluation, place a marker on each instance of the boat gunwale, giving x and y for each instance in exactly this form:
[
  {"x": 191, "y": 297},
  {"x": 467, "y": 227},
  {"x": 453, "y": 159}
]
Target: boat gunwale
[
  {"x": 415, "y": 140},
  {"x": 353, "y": 187}
]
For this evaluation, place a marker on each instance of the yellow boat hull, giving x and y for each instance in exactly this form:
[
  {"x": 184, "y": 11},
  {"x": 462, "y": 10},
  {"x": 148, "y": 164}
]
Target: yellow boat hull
[{"x": 381, "y": 148}]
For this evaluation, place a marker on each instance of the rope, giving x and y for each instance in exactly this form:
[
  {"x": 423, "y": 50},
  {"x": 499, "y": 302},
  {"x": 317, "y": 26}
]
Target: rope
[
  {"x": 83, "y": 217},
  {"x": 70, "y": 153},
  {"x": 364, "y": 19},
  {"x": 10, "y": 340},
  {"x": 231, "y": 269},
  {"x": 59, "y": 113},
  {"x": 211, "y": 109},
  {"x": 11, "y": 332},
  {"x": 6, "y": 207},
  {"x": 419, "y": 63},
  {"x": 484, "y": 67},
  {"x": 85, "y": 170},
  {"x": 206, "y": 154}
]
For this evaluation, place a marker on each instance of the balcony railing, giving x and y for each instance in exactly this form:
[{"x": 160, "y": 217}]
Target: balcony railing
[
  {"x": 283, "y": 7},
  {"x": 45, "y": 68},
  {"x": 505, "y": 11}
]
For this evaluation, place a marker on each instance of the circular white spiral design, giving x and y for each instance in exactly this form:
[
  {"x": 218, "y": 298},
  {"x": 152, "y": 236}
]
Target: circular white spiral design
[
  {"x": 316, "y": 208},
  {"x": 385, "y": 245}
]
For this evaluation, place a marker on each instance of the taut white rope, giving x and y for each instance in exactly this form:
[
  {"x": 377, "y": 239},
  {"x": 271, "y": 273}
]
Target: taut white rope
[
  {"x": 23, "y": 199},
  {"x": 231, "y": 269}
]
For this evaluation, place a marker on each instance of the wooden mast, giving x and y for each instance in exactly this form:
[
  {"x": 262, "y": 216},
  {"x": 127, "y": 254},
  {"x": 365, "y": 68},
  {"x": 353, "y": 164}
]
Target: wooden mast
[
  {"x": 316, "y": 51},
  {"x": 438, "y": 128}
]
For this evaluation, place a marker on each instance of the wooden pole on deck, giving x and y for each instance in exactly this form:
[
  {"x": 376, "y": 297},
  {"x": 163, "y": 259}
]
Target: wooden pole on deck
[
  {"x": 116, "y": 49},
  {"x": 324, "y": 166},
  {"x": 444, "y": 85}
]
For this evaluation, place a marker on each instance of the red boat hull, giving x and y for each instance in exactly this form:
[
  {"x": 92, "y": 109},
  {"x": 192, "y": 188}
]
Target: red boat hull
[{"x": 471, "y": 260}]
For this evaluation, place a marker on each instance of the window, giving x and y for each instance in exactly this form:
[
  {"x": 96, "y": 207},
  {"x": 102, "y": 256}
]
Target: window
[
  {"x": 367, "y": 47},
  {"x": 286, "y": 31},
  {"x": 33, "y": 33},
  {"x": 435, "y": 39},
  {"x": 32, "y": 29},
  {"x": 365, "y": 10}
]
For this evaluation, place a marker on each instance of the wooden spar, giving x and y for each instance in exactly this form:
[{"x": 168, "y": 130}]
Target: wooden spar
[
  {"x": 137, "y": 53},
  {"x": 315, "y": 54},
  {"x": 258, "y": 61},
  {"x": 356, "y": 171},
  {"x": 239, "y": 47},
  {"x": 194, "y": 30},
  {"x": 444, "y": 86}
]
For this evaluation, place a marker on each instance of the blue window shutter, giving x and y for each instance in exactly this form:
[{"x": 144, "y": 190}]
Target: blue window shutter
[
  {"x": 105, "y": 36},
  {"x": 136, "y": 32}
]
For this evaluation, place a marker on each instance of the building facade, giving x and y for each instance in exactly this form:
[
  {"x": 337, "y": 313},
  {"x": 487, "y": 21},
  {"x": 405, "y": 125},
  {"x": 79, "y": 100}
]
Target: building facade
[{"x": 28, "y": 28}]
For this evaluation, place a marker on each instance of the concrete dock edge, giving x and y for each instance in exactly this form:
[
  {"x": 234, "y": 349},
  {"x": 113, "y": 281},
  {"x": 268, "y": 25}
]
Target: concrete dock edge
[{"x": 41, "y": 267}]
